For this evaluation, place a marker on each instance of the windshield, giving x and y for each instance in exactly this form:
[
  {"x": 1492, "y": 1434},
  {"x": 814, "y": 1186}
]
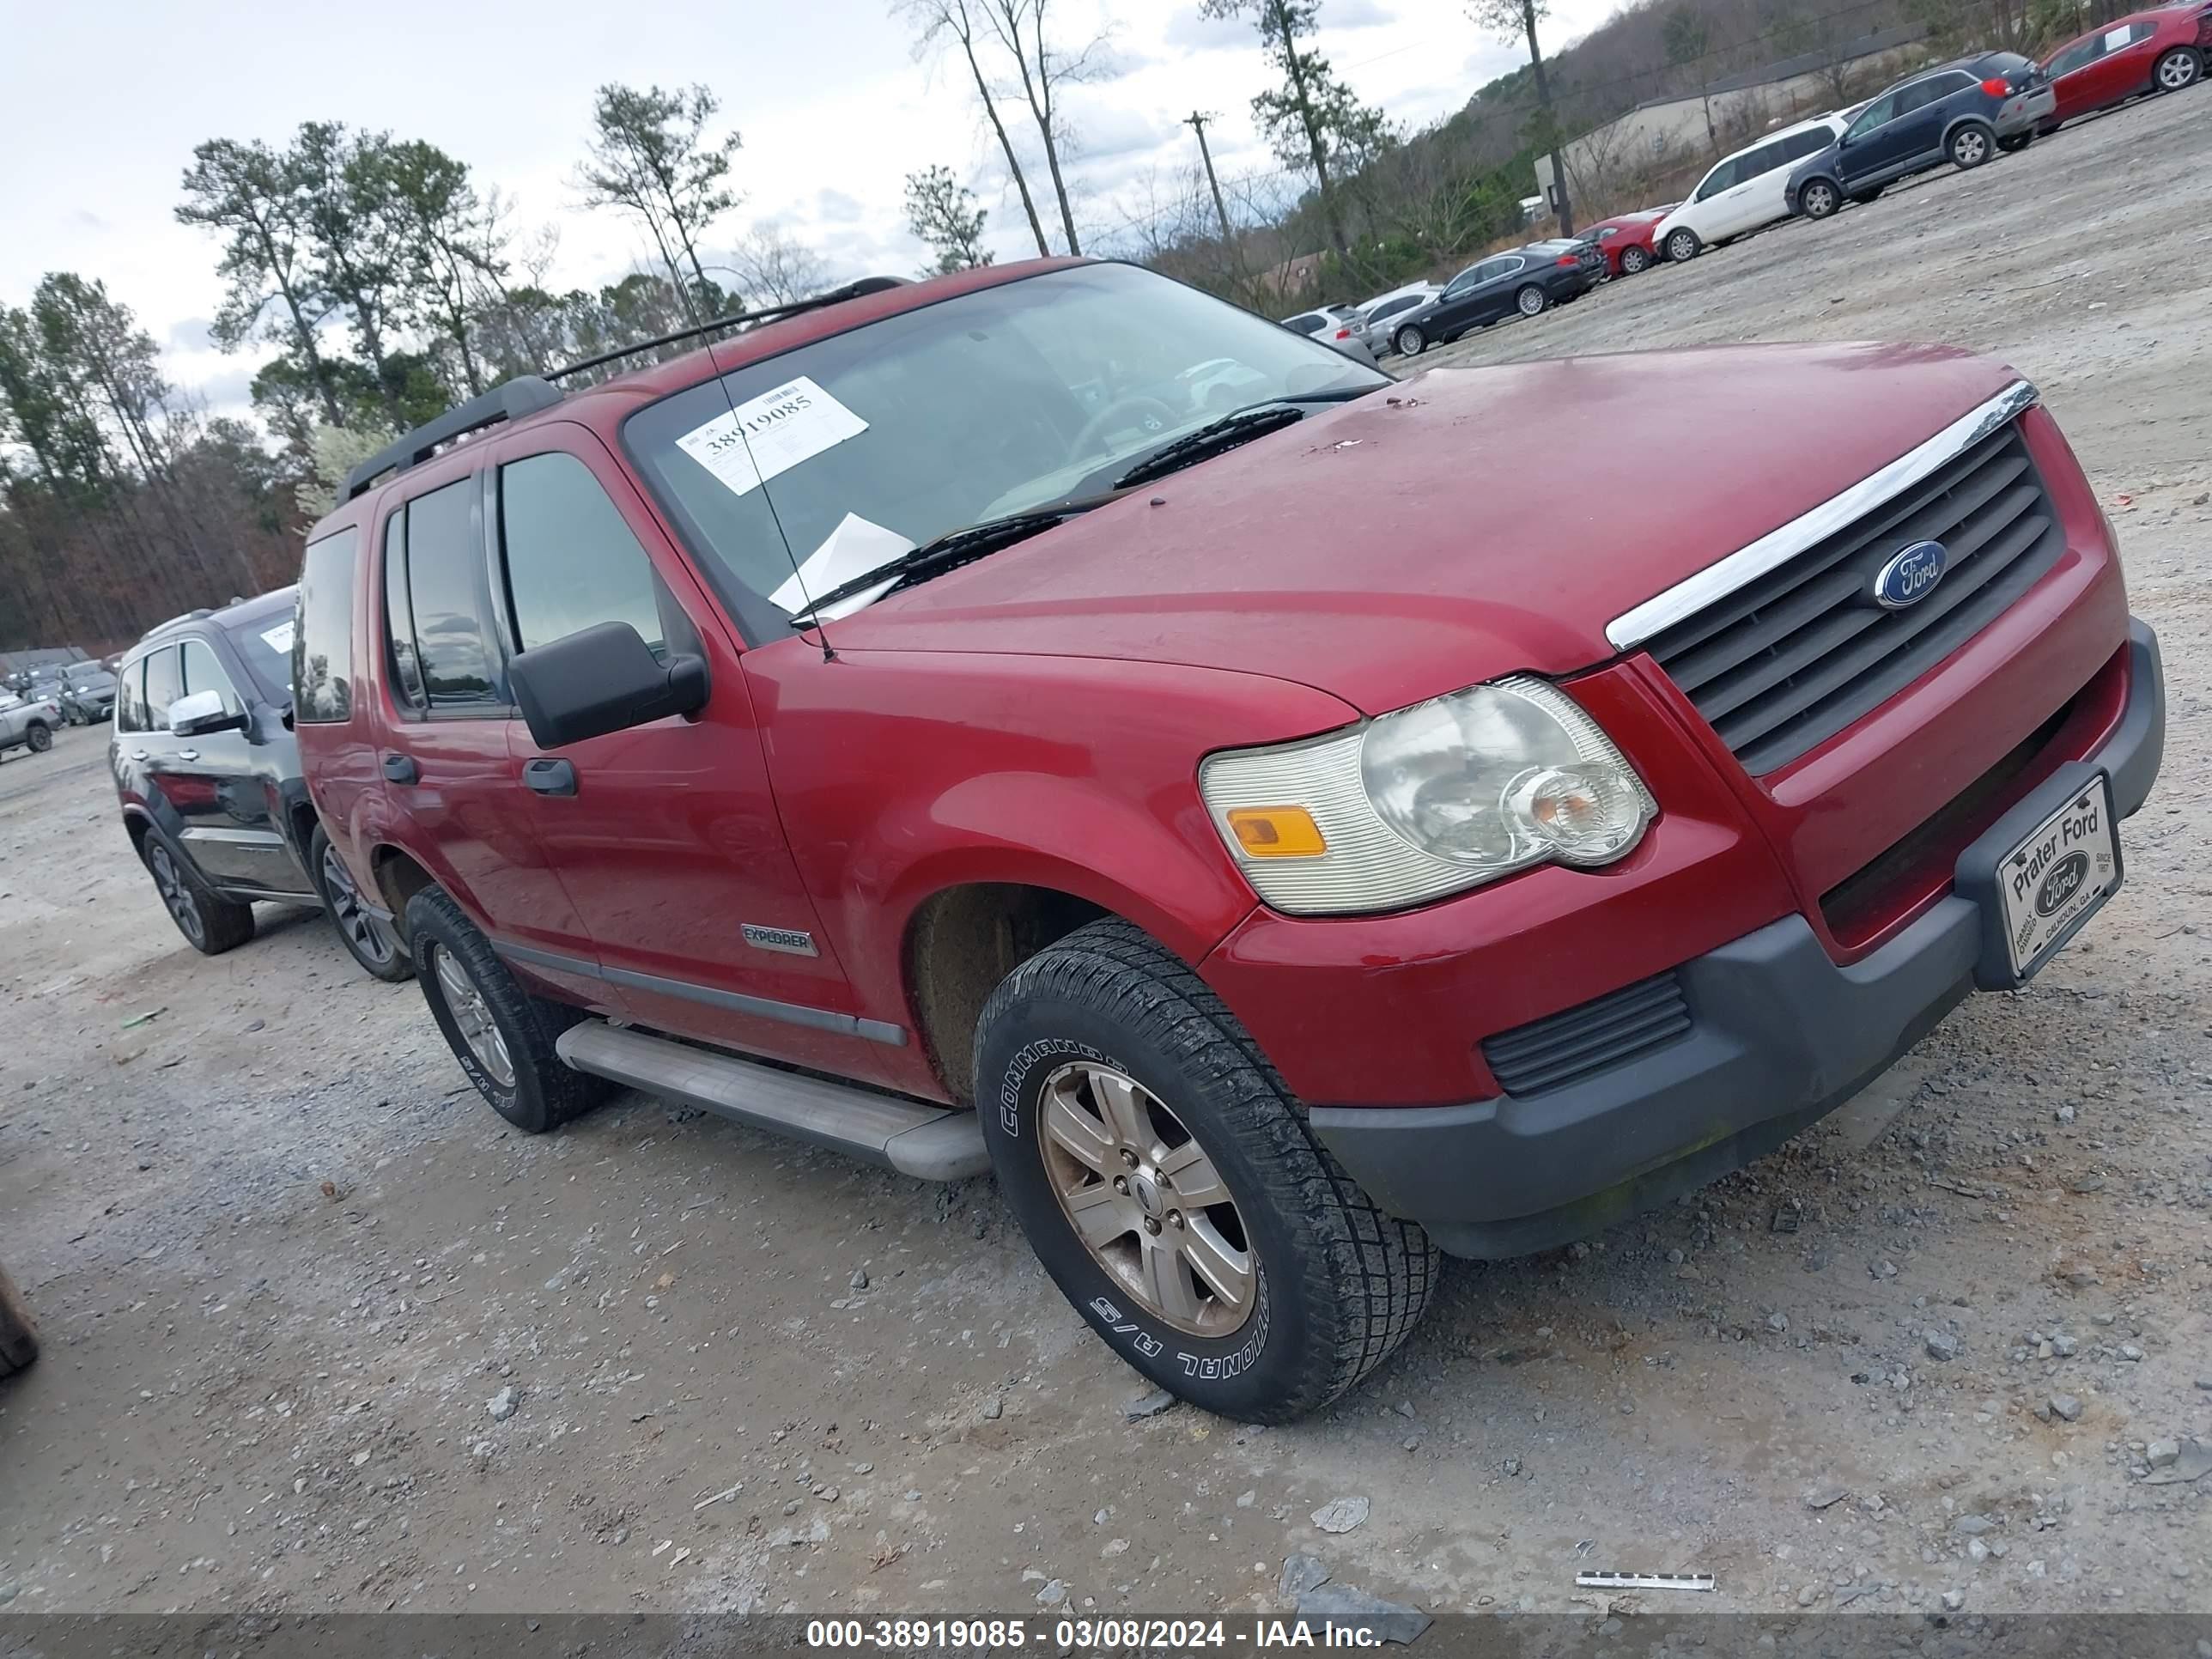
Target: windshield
[
  {"x": 888, "y": 435},
  {"x": 267, "y": 644}
]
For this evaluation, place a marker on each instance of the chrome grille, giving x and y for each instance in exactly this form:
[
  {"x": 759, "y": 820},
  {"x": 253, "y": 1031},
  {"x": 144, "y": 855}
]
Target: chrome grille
[
  {"x": 1591, "y": 1037},
  {"x": 1785, "y": 662}
]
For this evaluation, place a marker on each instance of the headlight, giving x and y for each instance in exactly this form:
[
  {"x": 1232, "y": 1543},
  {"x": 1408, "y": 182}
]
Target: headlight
[{"x": 1434, "y": 799}]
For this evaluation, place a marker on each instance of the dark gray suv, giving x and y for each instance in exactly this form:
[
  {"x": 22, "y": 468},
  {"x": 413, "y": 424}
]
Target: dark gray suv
[{"x": 1962, "y": 112}]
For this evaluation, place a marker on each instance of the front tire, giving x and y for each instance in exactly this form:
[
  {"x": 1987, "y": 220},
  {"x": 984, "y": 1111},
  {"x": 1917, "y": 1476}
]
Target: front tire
[
  {"x": 211, "y": 925},
  {"x": 40, "y": 736},
  {"x": 1970, "y": 145},
  {"x": 1411, "y": 342},
  {"x": 502, "y": 1035},
  {"x": 1531, "y": 301},
  {"x": 2182, "y": 67},
  {"x": 1170, "y": 1186},
  {"x": 1634, "y": 261},
  {"x": 1682, "y": 245},
  {"x": 19, "y": 1332},
  {"x": 1818, "y": 199},
  {"x": 368, "y": 940}
]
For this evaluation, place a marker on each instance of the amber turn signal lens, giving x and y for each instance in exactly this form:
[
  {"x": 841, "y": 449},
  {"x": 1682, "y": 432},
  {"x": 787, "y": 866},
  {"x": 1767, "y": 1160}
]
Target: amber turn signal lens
[{"x": 1277, "y": 832}]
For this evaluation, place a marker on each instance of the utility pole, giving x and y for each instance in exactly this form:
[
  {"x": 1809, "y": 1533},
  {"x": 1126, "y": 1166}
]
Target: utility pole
[{"x": 1196, "y": 121}]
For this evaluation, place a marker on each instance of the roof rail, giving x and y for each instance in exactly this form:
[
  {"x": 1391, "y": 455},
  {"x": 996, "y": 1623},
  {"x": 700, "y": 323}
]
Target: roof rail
[
  {"x": 164, "y": 626},
  {"x": 852, "y": 290},
  {"x": 526, "y": 394}
]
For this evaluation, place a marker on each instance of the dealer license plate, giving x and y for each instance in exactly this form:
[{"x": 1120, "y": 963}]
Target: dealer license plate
[{"x": 2068, "y": 865}]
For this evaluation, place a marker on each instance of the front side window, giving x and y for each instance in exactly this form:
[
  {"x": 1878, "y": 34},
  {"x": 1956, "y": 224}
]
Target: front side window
[
  {"x": 205, "y": 672},
  {"x": 322, "y": 634},
  {"x": 398, "y": 616},
  {"x": 164, "y": 684},
  {"x": 571, "y": 561},
  {"x": 1717, "y": 180},
  {"x": 445, "y": 584},
  {"x": 1035, "y": 391}
]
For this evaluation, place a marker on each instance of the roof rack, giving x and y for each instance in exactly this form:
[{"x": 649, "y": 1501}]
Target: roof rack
[
  {"x": 526, "y": 394},
  {"x": 852, "y": 290},
  {"x": 173, "y": 622}
]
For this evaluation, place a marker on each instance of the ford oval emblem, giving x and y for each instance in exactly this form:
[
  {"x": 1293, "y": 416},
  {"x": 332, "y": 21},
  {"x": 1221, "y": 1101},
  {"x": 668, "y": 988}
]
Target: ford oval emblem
[
  {"x": 2064, "y": 881},
  {"x": 1910, "y": 575}
]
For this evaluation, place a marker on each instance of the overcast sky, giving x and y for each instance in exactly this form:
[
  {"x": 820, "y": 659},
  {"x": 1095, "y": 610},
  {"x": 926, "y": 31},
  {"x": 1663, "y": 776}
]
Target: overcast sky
[{"x": 100, "y": 108}]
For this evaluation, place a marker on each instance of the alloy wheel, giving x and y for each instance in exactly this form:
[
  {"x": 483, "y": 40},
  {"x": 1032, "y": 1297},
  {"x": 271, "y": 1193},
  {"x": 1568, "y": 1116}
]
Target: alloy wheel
[
  {"x": 1819, "y": 201},
  {"x": 1530, "y": 301},
  {"x": 169, "y": 883},
  {"x": 1632, "y": 261},
  {"x": 1145, "y": 1199},
  {"x": 473, "y": 1016},
  {"x": 1970, "y": 149},
  {"x": 369, "y": 937},
  {"x": 1681, "y": 246},
  {"x": 2176, "y": 70}
]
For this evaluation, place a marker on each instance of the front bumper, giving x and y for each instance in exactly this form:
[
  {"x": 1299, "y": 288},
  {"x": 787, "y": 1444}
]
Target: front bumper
[{"x": 1778, "y": 1035}]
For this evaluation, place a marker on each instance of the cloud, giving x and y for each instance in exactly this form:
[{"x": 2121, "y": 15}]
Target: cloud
[
  {"x": 1105, "y": 133},
  {"x": 229, "y": 392},
  {"x": 193, "y": 334},
  {"x": 1202, "y": 34},
  {"x": 1355, "y": 14},
  {"x": 834, "y": 207}
]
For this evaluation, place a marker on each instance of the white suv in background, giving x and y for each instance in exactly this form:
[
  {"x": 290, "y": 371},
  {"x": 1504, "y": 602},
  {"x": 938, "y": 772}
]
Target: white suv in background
[{"x": 1745, "y": 191}]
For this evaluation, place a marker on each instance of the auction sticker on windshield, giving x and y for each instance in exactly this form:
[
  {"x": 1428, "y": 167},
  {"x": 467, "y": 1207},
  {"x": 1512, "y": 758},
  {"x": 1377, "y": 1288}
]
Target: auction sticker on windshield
[
  {"x": 773, "y": 432},
  {"x": 279, "y": 638},
  {"x": 2069, "y": 864}
]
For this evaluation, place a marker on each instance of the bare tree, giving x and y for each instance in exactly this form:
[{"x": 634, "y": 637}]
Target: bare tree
[
  {"x": 1512, "y": 17},
  {"x": 649, "y": 157},
  {"x": 936, "y": 22},
  {"x": 772, "y": 268},
  {"x": 1042, "y": 69}
]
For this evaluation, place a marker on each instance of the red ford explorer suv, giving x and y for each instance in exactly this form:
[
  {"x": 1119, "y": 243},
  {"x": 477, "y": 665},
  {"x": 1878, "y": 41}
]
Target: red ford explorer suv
[{"x": 923, "y": 724}]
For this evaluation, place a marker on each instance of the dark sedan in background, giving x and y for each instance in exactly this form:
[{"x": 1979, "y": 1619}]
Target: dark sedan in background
[
  {"x": 1522, "y": 281},
  {"x": 1962, "y": 112},
  {"x": 87, "y": 694}
]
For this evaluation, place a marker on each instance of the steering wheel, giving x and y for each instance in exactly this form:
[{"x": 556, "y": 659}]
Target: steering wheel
[{"x": 1152, "y": 414}]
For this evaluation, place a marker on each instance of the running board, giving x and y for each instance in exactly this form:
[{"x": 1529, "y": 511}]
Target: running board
[{"x": 923, "y": 1141}]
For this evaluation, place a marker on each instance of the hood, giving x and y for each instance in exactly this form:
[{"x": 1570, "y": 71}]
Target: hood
[{"x": 1466, "y": 524}]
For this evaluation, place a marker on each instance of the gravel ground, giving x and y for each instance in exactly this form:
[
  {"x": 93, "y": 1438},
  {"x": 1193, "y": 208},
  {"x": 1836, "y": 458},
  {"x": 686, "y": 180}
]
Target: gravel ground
[{"x": 324, "y": 1335}]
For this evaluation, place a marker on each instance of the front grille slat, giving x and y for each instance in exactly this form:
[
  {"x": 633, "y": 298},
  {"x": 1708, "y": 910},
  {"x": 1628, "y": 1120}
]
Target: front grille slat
[
  {"x": 1594, "y": 1036},
  {"x": 1786, "y": 662}
]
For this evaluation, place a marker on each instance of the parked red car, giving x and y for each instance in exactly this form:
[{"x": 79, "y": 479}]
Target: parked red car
[
  {"x": 2161, "y": 51},
  {"x": 1625, "y": 240},
  {"x": 917, "y": 704}
]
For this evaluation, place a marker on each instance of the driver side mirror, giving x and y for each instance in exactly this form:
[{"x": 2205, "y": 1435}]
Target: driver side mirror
[
  {"x": 201, "y": 712},
  {"x": 600, "y": 679}
]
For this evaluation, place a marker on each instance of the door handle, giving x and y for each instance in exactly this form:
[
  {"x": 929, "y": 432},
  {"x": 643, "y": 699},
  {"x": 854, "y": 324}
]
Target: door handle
[
  {"x": 550, "y": 777},
  {"x": 188, "y": 754},
  {"x": 401, "y": 769}
]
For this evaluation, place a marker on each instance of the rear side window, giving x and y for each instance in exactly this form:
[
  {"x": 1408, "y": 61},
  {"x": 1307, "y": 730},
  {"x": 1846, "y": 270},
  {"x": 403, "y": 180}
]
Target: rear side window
[
  {"x": 130, "y": 698},
  {"x": 571, "y": 561},
  {"x": 1809, "y": 143},
  {"x": 445, "y": 584},
  {"x": 1307, "y": 323},
  {"x": 164, "y": 684},
  {"x": 322, "y": 639}
]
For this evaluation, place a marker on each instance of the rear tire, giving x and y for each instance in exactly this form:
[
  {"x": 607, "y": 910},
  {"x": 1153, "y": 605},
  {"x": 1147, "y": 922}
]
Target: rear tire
[
  {"x": 1634, "y": 261},
  {"x": 1818, "y": 199},
  {"x": 1863, "y": 197},
  {"x": 368, "y": 940},
  {"x": 1970, "y": 145},
  {"x": 2182, "y": 67},
  {"x": 210, "y": 924},
  {"x": 19, "y": 1332},
  {"x": 502, "y": 1035},
  {"x": 1682, "y": 245},
  {"x": 1531, "y": 301},
  {"x": 2017, "y": 142},
  {"x": 1115, "y": 1086}
]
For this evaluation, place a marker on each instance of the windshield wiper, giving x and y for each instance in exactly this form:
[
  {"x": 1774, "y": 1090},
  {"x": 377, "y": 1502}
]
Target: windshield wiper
[
  {"x": 1238, "y": 426},
  {"x": 951, "y": 550}
]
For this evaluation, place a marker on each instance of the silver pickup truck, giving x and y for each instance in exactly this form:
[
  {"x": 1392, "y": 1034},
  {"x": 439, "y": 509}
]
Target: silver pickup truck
[{"x": 27, "y": 725}]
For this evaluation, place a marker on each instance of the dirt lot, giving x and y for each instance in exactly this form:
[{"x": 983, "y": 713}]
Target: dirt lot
[{"x": 286, "y": 1259}]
